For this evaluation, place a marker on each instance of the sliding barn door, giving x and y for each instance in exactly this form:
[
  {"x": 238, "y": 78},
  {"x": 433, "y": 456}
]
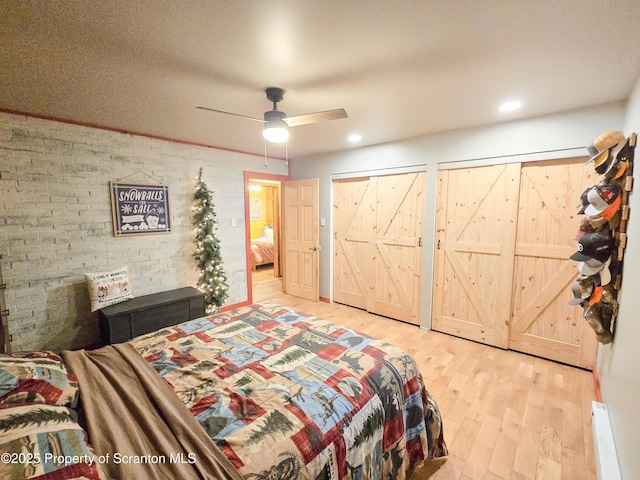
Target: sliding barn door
[
  {"x": 377, "y": 244},
  {"x": 397, "y": 256},
  {"x": 301, "y": 238},
  {"x": 476, "y": 217},
  {"x": 503, "y": 276},
  {"x": 542, "y": 322},
  {"x": 354, "y": 203}
]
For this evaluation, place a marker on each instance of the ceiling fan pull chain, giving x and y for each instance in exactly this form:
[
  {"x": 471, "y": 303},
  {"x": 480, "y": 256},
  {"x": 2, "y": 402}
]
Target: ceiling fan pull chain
[{"x": 265, "y": 153}]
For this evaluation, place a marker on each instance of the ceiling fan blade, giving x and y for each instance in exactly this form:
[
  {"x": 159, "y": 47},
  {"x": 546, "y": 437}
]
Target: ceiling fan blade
[
  {"x": 315, "y": 117},
  {"x": 231, "y": 113}
]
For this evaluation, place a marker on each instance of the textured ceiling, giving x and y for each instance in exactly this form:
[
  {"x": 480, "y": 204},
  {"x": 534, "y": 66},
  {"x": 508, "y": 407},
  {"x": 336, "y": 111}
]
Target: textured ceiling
[{"x": 399, "y": 68}]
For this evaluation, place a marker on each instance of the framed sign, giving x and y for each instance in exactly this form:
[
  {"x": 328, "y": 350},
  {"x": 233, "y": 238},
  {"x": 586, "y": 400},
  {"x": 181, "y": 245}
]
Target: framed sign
[
  {"x": 140, "y": 209},
  {"x": 255, "y": 209}
]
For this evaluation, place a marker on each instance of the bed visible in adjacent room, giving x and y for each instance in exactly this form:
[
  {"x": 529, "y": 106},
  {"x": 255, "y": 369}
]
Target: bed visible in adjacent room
[{"x": 262, "y": 251}]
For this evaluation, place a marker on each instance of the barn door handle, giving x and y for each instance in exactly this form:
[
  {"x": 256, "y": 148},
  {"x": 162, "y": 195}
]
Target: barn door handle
[
  {"x": 419, "y": 241},
  {"x": 438, "y": 244}
]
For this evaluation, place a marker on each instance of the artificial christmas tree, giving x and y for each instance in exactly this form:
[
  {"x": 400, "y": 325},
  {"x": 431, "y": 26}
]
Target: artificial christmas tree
[{"x": 212, "y": 280}]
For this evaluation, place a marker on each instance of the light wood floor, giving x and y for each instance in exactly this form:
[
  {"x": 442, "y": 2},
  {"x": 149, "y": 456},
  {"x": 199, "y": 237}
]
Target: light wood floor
[{"x": 506, "y": 415}]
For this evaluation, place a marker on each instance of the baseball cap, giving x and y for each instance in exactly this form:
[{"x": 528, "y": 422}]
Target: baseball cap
[
  {"x": 582, "y": 289},
  {"x": 591, "y": 267},
  {"x": 604, "y": 277},
  {"x": 622, "y": 154},
  {"x": 584, "y": 200},
  {"x": 584, "y": 228},
  {"x": 596, "y": 246},
  {"x": 599, "y": 317},
  {"x": 604, "y": 200},
  {"x": 596, "y": 222}
]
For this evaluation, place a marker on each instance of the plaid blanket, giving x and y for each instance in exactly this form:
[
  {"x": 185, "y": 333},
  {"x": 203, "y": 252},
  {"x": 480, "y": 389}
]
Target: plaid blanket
[{"x": 289, "y": 396}]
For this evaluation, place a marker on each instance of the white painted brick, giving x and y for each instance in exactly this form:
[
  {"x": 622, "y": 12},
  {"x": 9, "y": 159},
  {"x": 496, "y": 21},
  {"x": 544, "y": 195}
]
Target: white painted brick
[
  {"x": 57, "y": 221},
  {"x": 55, "y": 211}
]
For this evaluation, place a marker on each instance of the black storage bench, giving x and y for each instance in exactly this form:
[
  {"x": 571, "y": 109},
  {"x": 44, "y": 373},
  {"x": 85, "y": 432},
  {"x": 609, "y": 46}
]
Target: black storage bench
[{"x": 123, "y": 321}]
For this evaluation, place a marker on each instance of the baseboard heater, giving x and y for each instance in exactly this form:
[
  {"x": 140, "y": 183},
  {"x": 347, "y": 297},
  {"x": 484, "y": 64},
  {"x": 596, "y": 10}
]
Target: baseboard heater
[{"x": 605, "y": 447}]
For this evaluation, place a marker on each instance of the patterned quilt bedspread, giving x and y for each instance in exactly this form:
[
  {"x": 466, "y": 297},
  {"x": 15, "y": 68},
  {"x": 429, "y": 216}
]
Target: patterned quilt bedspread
[
  {"x": 262, "y": 251},
  {"x": 287, "y": 396}
]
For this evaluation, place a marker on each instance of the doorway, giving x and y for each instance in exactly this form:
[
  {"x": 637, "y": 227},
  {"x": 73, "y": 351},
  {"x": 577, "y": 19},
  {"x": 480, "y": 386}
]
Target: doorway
[{"x": 263, "y": 232}]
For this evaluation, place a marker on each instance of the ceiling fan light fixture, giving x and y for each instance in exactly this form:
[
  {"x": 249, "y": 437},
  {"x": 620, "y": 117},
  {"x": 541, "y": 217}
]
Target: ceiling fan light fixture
[
  {"x": 277, "y": 124},
  {"x": 275, "y": 131}
]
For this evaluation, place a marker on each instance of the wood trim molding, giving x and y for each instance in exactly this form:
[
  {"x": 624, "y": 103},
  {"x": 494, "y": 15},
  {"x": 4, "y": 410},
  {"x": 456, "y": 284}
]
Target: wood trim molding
[
  {"x": 128, "y": 132},
  {"x": 248, "y": 176},
  {"x": 226, "y": 308},
  {"x": 596, "y": 385}
]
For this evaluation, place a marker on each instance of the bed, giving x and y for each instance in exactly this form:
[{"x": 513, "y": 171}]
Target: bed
[
  {"x": 262, "y": 251},
  {"x": 260, "y": 392}
]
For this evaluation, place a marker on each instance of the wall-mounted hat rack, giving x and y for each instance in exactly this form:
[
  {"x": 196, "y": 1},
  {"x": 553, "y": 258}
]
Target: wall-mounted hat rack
[{"x": 602, "y": 238}]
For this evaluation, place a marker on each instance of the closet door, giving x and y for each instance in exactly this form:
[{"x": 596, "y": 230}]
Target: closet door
[
  {"x": 353, "y": 218},
  {"x": 377, "y": 261},
  {"x": 542, "y": 322},
  {"x": 503, "y": 276},
  {"x": 397, "y": 256},
  {"x": 476, "y": 215}
]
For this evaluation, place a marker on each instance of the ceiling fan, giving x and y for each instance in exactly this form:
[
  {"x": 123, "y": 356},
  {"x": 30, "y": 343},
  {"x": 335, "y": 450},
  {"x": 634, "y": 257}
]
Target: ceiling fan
[{"x": 277, "y": 122}]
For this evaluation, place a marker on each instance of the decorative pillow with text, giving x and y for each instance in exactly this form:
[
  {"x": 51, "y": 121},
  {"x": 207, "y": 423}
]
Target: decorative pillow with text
[{"x": 108, "y": 288}]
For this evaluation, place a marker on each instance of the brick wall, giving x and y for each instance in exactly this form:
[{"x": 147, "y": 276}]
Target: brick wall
[{"x": 56, "y": 222}]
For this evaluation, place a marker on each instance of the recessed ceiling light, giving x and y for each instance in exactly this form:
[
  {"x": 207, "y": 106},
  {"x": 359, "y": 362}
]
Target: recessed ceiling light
[
  {"x": 355, "y": 137},
  {"x": 510, "y": 106}
]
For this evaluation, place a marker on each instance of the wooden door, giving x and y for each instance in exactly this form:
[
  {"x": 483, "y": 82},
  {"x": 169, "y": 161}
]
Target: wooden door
[
  {"x": 301, "y": 238},
  {"x": 354, "y": 202},
  {"x": 397, "y": 256},
  {"x": 542, "y": 322},
  {"x": 476, "y": 216},
  {"x": 276, "y": 231},
  {"x": 377, "y": 261}
]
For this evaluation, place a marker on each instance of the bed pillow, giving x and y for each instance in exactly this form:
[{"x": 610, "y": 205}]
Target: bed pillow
[
  {"x": 108, "y": 288},
  {"x": 45, "y": 441},
  {"x": 36, "y": 377}
]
